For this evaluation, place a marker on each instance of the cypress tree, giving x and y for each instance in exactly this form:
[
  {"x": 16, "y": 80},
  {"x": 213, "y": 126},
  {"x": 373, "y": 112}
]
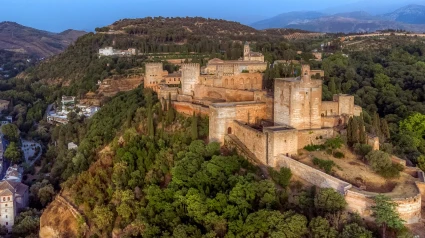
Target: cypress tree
[
  {"x": 170, "y": 111},
  {"x": 151, "y": 130},
  {"x": 362, "y": 132},
  {"x": 355, "y": 131},
  {"x": 350, "y": 132},
  {"x": 385, "y": 129},
  {"x": 194, "y": 127}
]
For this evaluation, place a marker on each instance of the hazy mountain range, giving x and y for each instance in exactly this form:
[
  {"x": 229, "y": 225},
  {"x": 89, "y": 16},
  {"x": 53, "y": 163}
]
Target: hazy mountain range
[
  {"x": 411, "y": 18},
  {"x": 30, "y": 41}
]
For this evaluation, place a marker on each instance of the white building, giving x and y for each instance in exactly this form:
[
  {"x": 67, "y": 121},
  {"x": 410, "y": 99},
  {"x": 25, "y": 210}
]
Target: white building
[
  {"x": 107, "y": 51},
  {"x": 13, "y": 197}
]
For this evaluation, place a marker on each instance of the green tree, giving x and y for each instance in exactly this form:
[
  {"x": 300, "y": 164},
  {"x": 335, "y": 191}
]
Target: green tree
[
  {"x": 329, "y": 200},
  {"x": 194, "y": 127},
  {"x": 334, "y": 143},
  {"x": 385, "y": 129},
  {"x": 414, "y": 124},
  {"x": 13, "y": 153},
  {"x": 170, "y": 111},
  {"x": 319, "y": 228},
  {"x": 385, "y": 214},
  {"x": 10, "y": 132},
  {"x": 46, "y": 194},
  {"x": 379, "y": 160},
  {"x": 353, "y": 230},
  {"x": 421, "y": 162},
  {"x": 332, "y": 86},
  {"x": 103, "y": 217}
]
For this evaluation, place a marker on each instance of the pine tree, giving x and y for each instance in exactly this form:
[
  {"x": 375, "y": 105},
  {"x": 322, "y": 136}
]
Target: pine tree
[{"x": 194, "y": 127}]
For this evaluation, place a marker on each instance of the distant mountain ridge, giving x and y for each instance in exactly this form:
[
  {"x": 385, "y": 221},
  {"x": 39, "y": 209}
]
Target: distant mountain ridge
[
  {"x": 18, "y": 38},
  {"x": 410, "y": 17}
]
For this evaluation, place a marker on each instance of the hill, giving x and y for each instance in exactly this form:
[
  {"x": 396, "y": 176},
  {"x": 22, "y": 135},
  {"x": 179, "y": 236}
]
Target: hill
[
  {"x": 286, "y": 19},
  {"x": 197, "y": 38},
  {"x": 26, "y": 40},
  {"x": 410, "y": 18},
  {"x": 411, "y": 14}
]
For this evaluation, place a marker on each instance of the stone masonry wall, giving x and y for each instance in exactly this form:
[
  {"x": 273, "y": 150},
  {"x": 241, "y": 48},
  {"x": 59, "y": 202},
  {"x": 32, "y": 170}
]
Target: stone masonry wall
[
  {"x": 253, "y": 139},
  {"x": 284, "y": 141},
  {"x": 222, "y": 116},
  {"x": 312, "y": 175},
  {"x": 189, "y": 78},
  {"x": 189, "y": 108},
  {"x": 314, "y": 137},
  {"x": 409, "y": 209},
  {"x": 229, "y": 95}
]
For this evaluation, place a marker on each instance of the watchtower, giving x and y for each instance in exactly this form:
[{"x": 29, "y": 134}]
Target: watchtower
[
  {"x": 190, "y": 76},
  {"x": 153, "y": 74}
]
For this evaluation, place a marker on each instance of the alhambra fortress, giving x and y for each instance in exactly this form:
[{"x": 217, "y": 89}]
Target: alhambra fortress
[{"x": 269, "y": 128}]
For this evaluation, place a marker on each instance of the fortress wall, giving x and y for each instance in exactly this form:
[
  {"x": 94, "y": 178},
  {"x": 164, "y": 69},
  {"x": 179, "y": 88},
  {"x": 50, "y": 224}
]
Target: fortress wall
[
  {"x": 222, "y": 116},
  {"x": 330, "y": 121},
  {"x": 229, "y": 95},
  {"x": 283, "y": 142},
  {"x": 165, "y": 92},
  {"x": 314, "y": 136},
  {"x": 253, "y": 139},
  {"x": 312, "y": 175},
  {"x": 244, "y": 81},
  {"x": 153, "y": 74},
  {"x": 189, "y": 108},
  {"x": 345, "y": 104},
  {"x": 329, "y": 108},
  {"x": 189, "y": 78},
  {"x": 408, "y": 208},
  {"x": 357, "y": 110}
]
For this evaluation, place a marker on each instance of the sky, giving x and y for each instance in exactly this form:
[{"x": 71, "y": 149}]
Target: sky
[{"x": 60, "y": 15}]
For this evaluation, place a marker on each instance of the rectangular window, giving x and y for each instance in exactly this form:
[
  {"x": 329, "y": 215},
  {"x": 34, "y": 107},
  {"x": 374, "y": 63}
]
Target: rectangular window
[{"x": 7, "y": 223}]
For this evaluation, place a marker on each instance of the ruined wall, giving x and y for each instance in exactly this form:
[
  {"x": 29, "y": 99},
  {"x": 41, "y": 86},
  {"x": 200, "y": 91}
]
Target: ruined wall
[
  {"x": 374, "y": 142},
  {"x": 312, "y": 175},
  {"x": 409, "y": 209},
  {"x": 315, "y": 137},
  {"x": 253, "y": 139},
  {"x": 244, "y": 81},
  {"x": 222, "y": 116},
  {"x": 190, "y": 76}
]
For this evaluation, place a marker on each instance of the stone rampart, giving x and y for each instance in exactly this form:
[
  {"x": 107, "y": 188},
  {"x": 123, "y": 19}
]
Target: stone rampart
[
  {"x": 189, "y": 108},
  {"x": 314, "y": 136},
  {"x": 254, "y": 140},
  {"x": 312, "y": 175},
  {"x": 360, "y": 202}
]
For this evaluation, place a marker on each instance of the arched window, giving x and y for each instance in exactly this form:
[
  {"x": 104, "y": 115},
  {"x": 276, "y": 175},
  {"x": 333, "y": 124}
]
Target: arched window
[{"x": 229, "y": 130}]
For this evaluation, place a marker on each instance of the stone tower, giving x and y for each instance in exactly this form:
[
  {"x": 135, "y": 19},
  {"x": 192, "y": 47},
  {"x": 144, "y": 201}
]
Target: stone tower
[
  {"x": 246, "y": 51},
  {"x": 153, "y": 74},
  {"x": 298, "y": 101},
  {"x": 190, "y": 76}
]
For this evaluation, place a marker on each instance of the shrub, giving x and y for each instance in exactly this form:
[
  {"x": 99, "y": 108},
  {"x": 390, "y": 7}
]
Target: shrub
[
  {"x": 326, "y": 165},
  {"x": 314, "y": 147},
  {"x": 381, "y": 163},
  {"x": 362, "y": 149},
  {"x": 339, "y": 155},
  {"x": 282, "y": 177}
]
